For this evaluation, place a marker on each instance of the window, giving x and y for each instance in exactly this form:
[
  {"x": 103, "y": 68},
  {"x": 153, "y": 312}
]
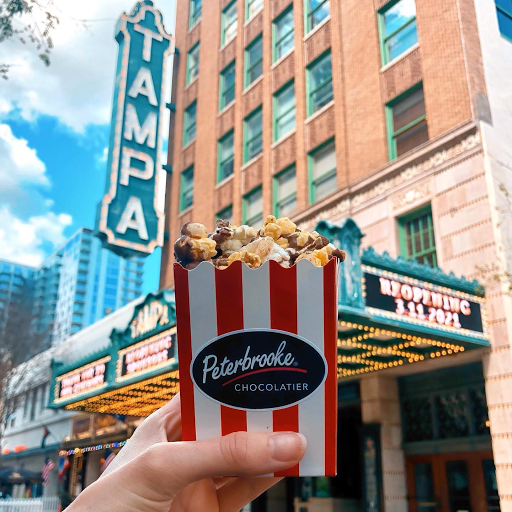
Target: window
[
  {"x": 33, "y": 405},
  {"x": 317, "y": 11},
  {"x": 283, "y": 34},
  {"x": 285, "y": 193},
  {"x": 190, "y": 124},
  {"x": 504, "y": 11},
  {"x": 187, "y": 188},
  {"x": 253, "y": 61},
  {"x": 195, "y": 11},
  {"x": 225, "y": 157},
  {"x": 252, "y": 7},
  {"x": 227, "y": 85},
  {"x": 397, "y": 24},
  {"x": 284, "y": 111},
  {"x": 417, "y": 240},
  {"x": 253, "y": 208},
  {"x": 407, "y": 122},
  {"x": 193, "y": 63},
  {"x": 226, "y": 214},
  {"x": 229, "y": 23},
  {"x": 253, "y": 143},
  {"x": 322, "y": 172},
  {"x": 319, "y": 83}
]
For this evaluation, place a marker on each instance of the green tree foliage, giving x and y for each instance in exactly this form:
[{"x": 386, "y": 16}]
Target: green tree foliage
[{"x": 29, "y": 21}]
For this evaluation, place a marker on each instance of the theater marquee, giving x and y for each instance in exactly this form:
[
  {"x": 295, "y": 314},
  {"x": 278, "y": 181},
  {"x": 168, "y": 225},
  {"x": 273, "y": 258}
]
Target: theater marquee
[
  {"x": 130, "y": 220},
  {"x": 414, "y": 301}
]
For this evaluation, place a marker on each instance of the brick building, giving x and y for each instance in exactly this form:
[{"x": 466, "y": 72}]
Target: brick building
[{"x": 396, "y": 114}]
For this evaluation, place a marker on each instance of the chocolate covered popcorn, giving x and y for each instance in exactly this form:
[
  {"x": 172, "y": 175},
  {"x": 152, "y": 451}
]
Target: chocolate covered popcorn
[{"x": 279, "y": 240}]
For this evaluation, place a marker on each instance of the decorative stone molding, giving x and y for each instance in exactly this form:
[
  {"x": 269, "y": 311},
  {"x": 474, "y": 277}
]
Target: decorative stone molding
[
  {"x": 407, "y": 174},
  {"x": 411, "y": 196}
]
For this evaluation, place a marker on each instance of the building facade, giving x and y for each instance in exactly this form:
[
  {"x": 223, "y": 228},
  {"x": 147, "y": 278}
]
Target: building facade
[
  {"x": 23, "y": 443},
  {"x": 80, "y": 283},
  {"x": 396, "y": 114}
]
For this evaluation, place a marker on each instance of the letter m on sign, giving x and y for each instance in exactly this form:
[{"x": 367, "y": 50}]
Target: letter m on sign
[{"x": 129, "y": 217}]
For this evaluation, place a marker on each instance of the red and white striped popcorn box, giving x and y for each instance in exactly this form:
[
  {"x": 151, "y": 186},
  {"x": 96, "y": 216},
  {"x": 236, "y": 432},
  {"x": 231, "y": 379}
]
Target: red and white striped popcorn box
[{"x": 257, "y": 353}]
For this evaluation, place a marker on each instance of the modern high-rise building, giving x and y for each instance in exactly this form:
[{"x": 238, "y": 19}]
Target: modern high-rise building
[
  {"x": 93, "y": 282},
  {"x": 397, "y": 114},
  {"x": 16, "y": 294},
  {"x": 80, "y": 283}
]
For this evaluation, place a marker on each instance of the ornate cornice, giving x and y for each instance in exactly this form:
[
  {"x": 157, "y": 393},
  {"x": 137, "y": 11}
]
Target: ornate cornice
[
  {"x": 436, "y": 160},
  {"x": 416, "y": 270}
]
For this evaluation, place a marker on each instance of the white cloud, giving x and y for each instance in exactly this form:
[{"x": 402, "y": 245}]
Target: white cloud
[
  {"x": 19, "y": 164},
  {"x": 77, "y": 88},
  {"x": 21, "y": 241}
]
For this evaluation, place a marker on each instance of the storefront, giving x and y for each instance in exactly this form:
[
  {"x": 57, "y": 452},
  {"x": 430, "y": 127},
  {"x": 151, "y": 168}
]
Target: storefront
[
  {"x": 413, "y": 425},
  {"x": 116, "y": 387}
]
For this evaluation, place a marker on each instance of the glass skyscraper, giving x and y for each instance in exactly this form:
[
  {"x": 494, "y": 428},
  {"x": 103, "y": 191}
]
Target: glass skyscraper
[
  {"x": 93, "y": 282},
  {"x": 16, "y": 291},
  {"x": 80, "y": 283}
]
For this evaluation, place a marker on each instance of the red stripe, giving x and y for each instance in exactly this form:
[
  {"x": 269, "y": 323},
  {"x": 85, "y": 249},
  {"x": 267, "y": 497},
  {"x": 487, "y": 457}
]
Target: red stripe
[
  {"x": 283, "y": 316},
  {"x": 188, "y": 420},
  {"x": 230, "y": 317},
  {"x": 330, "y": 352}
]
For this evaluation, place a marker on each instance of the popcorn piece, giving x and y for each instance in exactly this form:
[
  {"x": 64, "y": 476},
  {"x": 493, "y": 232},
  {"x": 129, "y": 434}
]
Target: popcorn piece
[
  {"x": 269, "y": 219},
  {"x": 286, "y": 225},
  {"x": 323, "y": 255},
  {"x": 245, "y": 234},
  {"x": 273, "y": 230},
  {"x": 277, "y": 254},
  {"x": 203, "y": 249},
  {"x": 261, "y": 246},
  {"x": 282, "y": 242},
  {"x": 253, "y": 260},
  {"x": 311, "y": 257},
  {"x": 194, "y": 230},
  {"x": 230, "y": 246}
]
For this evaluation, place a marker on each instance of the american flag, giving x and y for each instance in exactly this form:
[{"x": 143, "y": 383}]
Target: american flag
[{"x": 47, "y": 469}]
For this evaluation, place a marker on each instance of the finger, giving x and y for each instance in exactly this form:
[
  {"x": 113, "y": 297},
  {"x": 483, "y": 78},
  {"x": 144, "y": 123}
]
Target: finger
[
  {"x": 163, "y": 425},
  {"x": 235, "y": 495},
  {"x": 167, "y": 468},
  {"x": 221, "y": 482}
]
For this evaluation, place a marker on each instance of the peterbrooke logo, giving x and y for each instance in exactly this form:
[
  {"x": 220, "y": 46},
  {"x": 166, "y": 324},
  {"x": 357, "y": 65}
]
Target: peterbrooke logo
[
  {"x": 275, "y": 360},
  {"x": 261, "y": 369}
]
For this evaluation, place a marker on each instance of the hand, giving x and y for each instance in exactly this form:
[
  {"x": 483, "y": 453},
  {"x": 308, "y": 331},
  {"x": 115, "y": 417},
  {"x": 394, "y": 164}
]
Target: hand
[{"x": 156, "y": 472}]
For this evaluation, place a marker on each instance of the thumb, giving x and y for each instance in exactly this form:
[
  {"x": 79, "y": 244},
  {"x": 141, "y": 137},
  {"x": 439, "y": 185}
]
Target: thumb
[{"x": 169, "y": 467}]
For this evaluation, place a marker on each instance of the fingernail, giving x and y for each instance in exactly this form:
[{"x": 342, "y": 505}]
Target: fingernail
[{"x": 287, "y": 446}]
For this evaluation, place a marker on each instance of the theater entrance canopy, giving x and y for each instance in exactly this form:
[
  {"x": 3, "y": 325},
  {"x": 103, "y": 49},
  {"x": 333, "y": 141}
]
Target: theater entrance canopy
[
  {"x": 391, "y": 313},
  {"x": 135, "y": 375},
  {"x": 394, "y": 312}
]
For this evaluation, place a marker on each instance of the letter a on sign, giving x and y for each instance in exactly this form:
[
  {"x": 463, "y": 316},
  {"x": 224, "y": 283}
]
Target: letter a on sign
[{"x": 130, "y": 218}]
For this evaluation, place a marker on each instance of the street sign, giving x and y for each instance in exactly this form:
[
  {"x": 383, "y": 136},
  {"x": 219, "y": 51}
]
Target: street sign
[{"x": 129, "y": 219}]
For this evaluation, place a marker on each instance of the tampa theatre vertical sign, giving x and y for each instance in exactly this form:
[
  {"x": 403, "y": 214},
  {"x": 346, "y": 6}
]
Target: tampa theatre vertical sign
[{"x": 129, "y": 217}]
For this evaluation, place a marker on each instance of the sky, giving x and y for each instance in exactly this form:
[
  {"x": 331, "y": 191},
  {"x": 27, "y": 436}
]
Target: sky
[{"x": 54, "y": 131}]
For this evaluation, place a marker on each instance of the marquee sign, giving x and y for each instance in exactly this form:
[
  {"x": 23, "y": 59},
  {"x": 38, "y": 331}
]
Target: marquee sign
[
  {"x": 148, "y": 355},
  {"x": 411, "y": 300},
  {"x": 85, "y": 379},
  {"x": 129, "y": 218}
]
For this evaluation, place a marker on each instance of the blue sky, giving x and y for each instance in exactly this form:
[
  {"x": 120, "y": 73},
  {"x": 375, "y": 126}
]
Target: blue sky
[{"x": 54, "y": 131}]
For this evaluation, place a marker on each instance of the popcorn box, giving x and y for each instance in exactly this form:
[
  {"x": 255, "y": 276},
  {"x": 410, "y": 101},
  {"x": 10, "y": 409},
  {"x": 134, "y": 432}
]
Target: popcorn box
[{"x": 258, "y": 351}]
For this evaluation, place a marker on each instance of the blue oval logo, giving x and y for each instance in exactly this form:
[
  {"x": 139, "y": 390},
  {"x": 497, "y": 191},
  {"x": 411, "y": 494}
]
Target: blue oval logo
[{"x": 259, "y": 369}]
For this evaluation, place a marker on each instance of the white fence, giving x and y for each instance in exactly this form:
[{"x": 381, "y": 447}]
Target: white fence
[{"x": 30, "y": 505}]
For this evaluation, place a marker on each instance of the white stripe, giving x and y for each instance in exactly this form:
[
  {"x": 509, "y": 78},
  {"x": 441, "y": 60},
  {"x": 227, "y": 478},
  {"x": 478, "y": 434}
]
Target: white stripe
[
  {"x": 310, "y": 325},
  {"x": 203, "y": 328},
  {"x": 256, "y": 290}
]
